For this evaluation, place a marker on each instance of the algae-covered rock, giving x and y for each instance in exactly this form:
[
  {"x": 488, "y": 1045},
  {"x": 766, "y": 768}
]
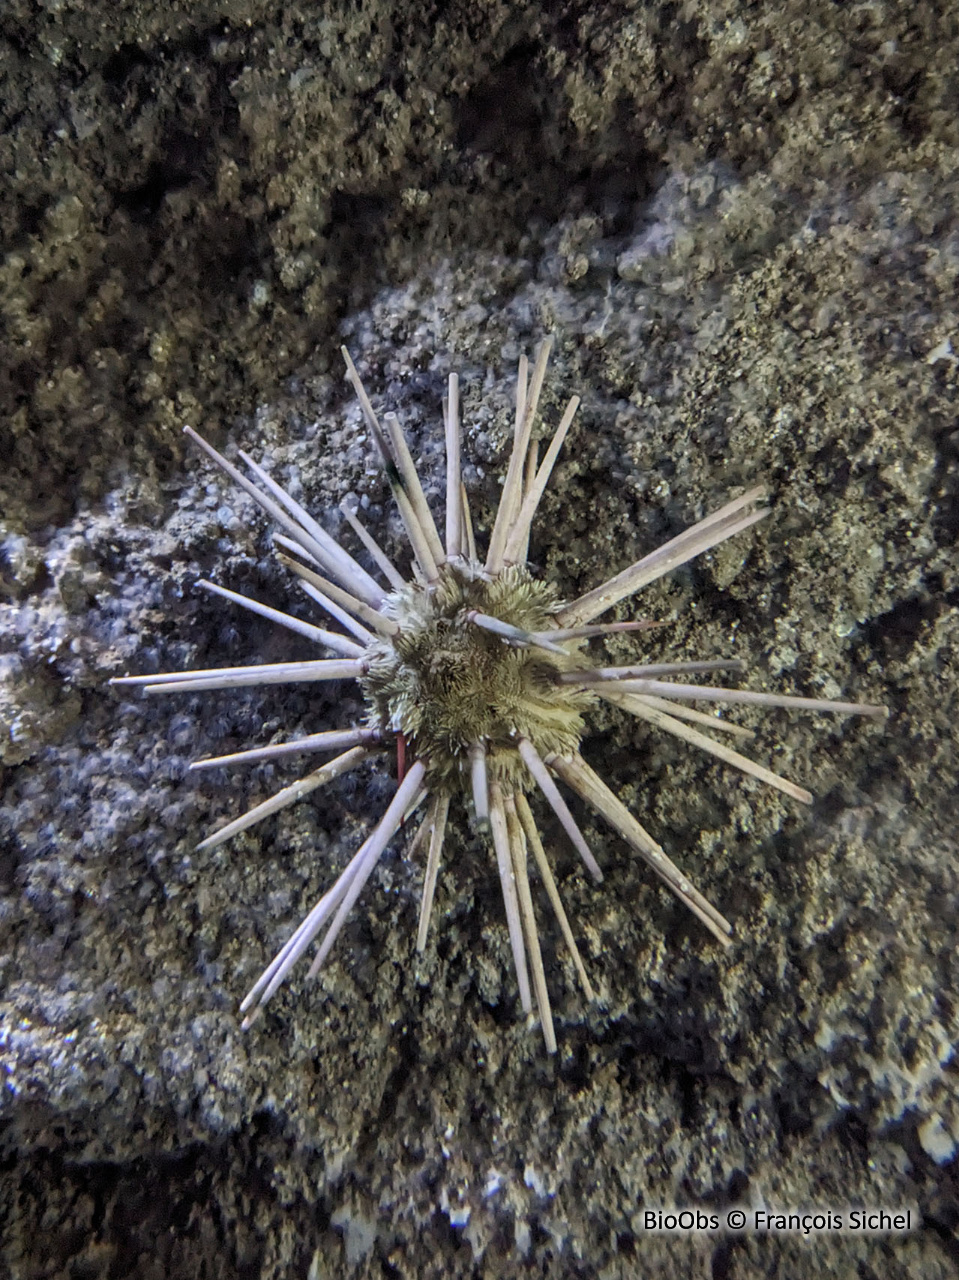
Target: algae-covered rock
[{"x": 741, "y": 230}]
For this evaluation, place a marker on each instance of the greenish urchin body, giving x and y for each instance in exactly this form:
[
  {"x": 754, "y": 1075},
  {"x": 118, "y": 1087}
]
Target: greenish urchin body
[{"x": 445, "y": 683}]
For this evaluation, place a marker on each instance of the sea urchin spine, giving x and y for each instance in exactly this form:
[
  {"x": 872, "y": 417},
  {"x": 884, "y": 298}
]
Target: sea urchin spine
[{"x": 475, "y": 668}]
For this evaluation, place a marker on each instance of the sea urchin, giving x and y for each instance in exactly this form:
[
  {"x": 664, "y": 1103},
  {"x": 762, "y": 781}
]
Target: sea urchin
[{"x": 475, "y": 670}]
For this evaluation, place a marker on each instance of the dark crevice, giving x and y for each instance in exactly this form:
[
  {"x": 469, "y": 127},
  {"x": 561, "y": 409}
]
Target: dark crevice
[
  {"x": 172, "y": 1207},
  {"x": 897, "y": 631}
]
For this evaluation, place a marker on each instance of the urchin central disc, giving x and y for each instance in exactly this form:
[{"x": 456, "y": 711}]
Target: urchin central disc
[{"x": 447, "y": 682}]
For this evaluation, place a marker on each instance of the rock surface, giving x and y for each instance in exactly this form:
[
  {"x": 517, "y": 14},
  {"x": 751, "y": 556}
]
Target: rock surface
[{"x": 742, "y": 230}]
